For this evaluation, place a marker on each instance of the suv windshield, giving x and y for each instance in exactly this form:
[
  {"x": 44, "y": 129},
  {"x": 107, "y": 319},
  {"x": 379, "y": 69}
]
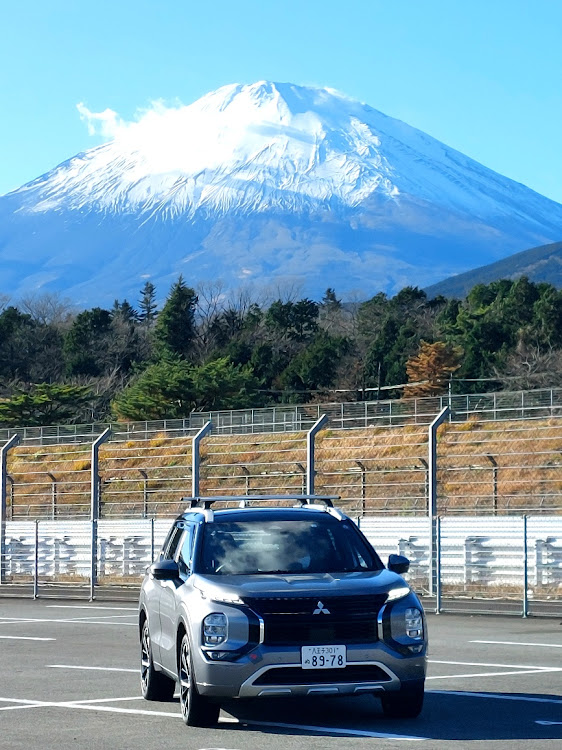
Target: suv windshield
[{"x": 284, "y": 546}]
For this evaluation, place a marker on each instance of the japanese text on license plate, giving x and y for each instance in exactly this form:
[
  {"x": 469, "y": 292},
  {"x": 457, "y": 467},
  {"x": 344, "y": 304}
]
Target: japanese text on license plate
[{"x": 323, "y": 657}]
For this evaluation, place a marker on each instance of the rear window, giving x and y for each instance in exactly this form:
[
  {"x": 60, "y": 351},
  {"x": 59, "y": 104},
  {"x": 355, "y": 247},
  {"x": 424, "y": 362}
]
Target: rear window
[{"x": 284, "y": 546}]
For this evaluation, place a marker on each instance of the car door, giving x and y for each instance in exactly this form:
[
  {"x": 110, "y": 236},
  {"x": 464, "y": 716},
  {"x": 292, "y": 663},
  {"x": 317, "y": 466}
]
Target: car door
[
  {"x": 171, "y": 595},
  {"x": 153, "y": 592}
]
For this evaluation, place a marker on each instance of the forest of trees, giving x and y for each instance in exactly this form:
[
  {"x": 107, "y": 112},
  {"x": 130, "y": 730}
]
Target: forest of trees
[{"x": 203, "y": 350}]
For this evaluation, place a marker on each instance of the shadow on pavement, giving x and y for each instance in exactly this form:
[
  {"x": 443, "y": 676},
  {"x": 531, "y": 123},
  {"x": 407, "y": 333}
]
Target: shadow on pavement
[{"x": 445, "y": 716}]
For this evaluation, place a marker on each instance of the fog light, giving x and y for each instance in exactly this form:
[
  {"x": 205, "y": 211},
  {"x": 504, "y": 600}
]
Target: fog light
[
  {"x": 215, "y": 629},
  {"x": 219, "y": 655},
  {"x": 414, "y": 623}
]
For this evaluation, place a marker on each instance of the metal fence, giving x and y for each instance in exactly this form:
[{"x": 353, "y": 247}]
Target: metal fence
[
  {"x": 498, "y": 406},
  {"x": 509, "y": 565},
  {"x": 481, "y": 468}
]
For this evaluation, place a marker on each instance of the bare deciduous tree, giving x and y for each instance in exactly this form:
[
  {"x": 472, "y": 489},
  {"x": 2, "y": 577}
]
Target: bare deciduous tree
[{"x": 48, "y": 308}]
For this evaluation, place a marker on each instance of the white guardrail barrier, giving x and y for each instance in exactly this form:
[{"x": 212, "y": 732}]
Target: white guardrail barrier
[{"x": 501, "y": 557}]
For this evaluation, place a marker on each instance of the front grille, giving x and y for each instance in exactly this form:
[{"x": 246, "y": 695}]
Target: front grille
[
  {"x": 290, "y": 620},
  {"x": 298, "y": 676}
]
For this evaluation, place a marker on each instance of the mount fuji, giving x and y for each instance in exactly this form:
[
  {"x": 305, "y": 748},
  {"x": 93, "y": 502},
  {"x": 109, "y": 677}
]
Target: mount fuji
[{"x": 266, "y": 184}]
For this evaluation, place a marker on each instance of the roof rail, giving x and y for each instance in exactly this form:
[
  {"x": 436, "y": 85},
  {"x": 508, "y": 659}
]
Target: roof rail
[{"x": 206, "y": 502}]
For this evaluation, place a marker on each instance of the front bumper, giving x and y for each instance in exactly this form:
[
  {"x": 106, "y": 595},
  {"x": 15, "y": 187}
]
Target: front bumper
[{"x": 268, "y": 671}]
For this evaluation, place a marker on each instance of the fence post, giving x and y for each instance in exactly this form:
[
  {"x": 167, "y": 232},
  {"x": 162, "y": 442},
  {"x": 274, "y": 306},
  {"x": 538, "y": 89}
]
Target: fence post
[
  {"x": 11, "y": 481},
  {"x": 493, "y": 461},
  {"x": 14, "y": 440},
  {"x": 310, "y": 439},
  {"x": 525, "y": 570},
  {"x": 151, "y": 540},
  {"x": 144, "y": 476},
  {"x": 246, "y": 473},
  {"x": 36, "y": 562},
  {"x": 363, "y": 472},
  {"x": 53, "y": 495},
  {"x": 438, "y": 566},
  {"x": 95, "y": 507},
  {"x": 196, "y": 459},
  {"x": 432, "y": 504},
  {"x": 425, "y": 483}
]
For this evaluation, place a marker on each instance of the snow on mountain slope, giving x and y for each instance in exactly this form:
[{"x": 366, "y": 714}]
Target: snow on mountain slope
[{"x": 265, "y": 181}]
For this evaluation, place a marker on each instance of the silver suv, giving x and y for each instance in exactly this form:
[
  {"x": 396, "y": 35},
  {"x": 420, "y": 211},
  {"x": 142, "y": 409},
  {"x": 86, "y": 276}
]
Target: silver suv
[{"x": 277, "y": 601}]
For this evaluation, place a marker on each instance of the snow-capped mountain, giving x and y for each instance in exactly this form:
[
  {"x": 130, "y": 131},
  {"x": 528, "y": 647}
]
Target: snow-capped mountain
[{"x": 265, "y": 182}]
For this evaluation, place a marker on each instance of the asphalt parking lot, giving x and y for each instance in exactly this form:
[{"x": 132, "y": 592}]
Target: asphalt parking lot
[{"x": 69, "y": 678}]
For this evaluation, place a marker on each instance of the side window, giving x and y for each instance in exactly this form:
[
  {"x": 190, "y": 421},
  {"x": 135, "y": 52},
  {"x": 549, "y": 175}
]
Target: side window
[
  {"x": 171, "y": 544},
  {"x": 186, "y": 550}
]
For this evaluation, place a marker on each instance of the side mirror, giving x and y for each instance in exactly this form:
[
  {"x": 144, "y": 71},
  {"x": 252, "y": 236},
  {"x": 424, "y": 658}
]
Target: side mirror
[
  {"x": 398, "y": 564},
  {"x": 165, "y": 570}
]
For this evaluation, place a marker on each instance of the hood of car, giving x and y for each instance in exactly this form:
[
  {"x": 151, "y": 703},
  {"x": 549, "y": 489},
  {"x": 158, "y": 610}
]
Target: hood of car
[{"x": 288, "y": 585}]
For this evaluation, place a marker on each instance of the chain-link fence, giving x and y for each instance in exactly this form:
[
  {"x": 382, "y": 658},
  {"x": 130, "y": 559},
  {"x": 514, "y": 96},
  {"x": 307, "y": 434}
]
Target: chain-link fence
[
  {"x": 482, "y": 468},
  {"x": 500, "y": 406}
]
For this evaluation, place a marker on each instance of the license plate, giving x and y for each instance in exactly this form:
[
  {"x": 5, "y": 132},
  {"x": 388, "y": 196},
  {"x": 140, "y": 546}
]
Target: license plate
[{"x": 323, "y": 657}]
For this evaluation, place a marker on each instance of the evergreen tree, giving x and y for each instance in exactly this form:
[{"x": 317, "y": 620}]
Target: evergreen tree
[
  {"x": 220, "y": 384},
  {"x": 147, "y": 305},
  {"x": 163, "y": 391},
  {"x": 87, "y": 342},
  {"x": 316, "y": 366},
  {"x": 172, "y": 388},
  {"x": 45, "y": 404},
  {"x": 175, "y": 326},
  {"x": 330, "y": 301},
  {"x": 293, "y": 320},
  {"x": 17, "y": 348},
  {"x": 124, "y": 311}
]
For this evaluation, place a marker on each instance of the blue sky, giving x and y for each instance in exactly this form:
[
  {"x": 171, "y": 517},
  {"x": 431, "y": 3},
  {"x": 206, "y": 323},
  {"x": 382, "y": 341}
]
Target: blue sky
[{"x": 483, "y": 76}]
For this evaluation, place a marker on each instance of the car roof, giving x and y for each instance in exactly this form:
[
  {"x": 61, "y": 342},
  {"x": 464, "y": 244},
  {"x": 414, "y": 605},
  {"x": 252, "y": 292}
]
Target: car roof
[{"x": 228, "y": 515}]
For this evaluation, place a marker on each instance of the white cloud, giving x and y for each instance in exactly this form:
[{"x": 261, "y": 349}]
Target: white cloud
[
  {"x": 106, "y": 123},
  {"x": 109, "y": 124}
]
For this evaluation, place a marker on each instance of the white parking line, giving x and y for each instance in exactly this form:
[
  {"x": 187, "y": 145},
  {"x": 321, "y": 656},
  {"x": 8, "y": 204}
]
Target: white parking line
[
  {"x": 110, "y": 700},
  {"x": 489, "y": 674},
  {"x": 521, "y": 643},
  {"x": 468, "y": 694},
  {"x": 90, "y": 606},
  {"x": 327, "y": 730},
  {"x": 24, "y": 638},
  {"x": 115, "y": 710},
  {"x": 492, "y": 664},
  {"x": 72, "y": 620},
  {"x": 513, "y": 669},
  {"x": 95, "y": 669},
  {"x": 94, "y": 706},
  {"x": 83, "y": 706}
]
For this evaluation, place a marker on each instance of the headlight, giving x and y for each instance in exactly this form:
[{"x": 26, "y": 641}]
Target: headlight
[
  {"x": 215, "y": 629},
  {"x": 414, "y": 623},
  {"x": 227, "y": 598},
  {"x": 398, "y": 593}
]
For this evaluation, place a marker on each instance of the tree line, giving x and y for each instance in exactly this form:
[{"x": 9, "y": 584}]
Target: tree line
[{"x": 205, "y": 350}]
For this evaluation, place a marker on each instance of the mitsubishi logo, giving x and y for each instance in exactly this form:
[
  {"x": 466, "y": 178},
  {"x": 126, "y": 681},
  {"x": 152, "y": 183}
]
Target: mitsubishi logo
[{"x": 321, "y": 609}]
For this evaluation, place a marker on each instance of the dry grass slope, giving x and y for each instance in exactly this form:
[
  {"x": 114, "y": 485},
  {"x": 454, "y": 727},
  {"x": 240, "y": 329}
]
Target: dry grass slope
[{"x": 503, "y": 467}]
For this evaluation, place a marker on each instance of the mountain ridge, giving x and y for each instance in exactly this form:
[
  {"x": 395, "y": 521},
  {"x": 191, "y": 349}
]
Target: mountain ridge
[
  {"x": 265, "y": 182},
  {"x": 539, "y": 264}
]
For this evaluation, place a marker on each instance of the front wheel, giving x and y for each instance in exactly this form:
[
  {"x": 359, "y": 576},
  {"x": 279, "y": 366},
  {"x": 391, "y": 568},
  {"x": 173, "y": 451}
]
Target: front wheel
[
  {"x": 405, "y": 703},
  {"x": 196, "y": 710},
  {"x": 155, "y": 686}
]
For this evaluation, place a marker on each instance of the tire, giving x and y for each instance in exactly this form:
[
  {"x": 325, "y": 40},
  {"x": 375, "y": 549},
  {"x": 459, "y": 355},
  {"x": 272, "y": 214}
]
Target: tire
[
  {"x": 196, "y": 710},
  {"x": 406, "y": 703},
  {"x": 155, "y": 686}
]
